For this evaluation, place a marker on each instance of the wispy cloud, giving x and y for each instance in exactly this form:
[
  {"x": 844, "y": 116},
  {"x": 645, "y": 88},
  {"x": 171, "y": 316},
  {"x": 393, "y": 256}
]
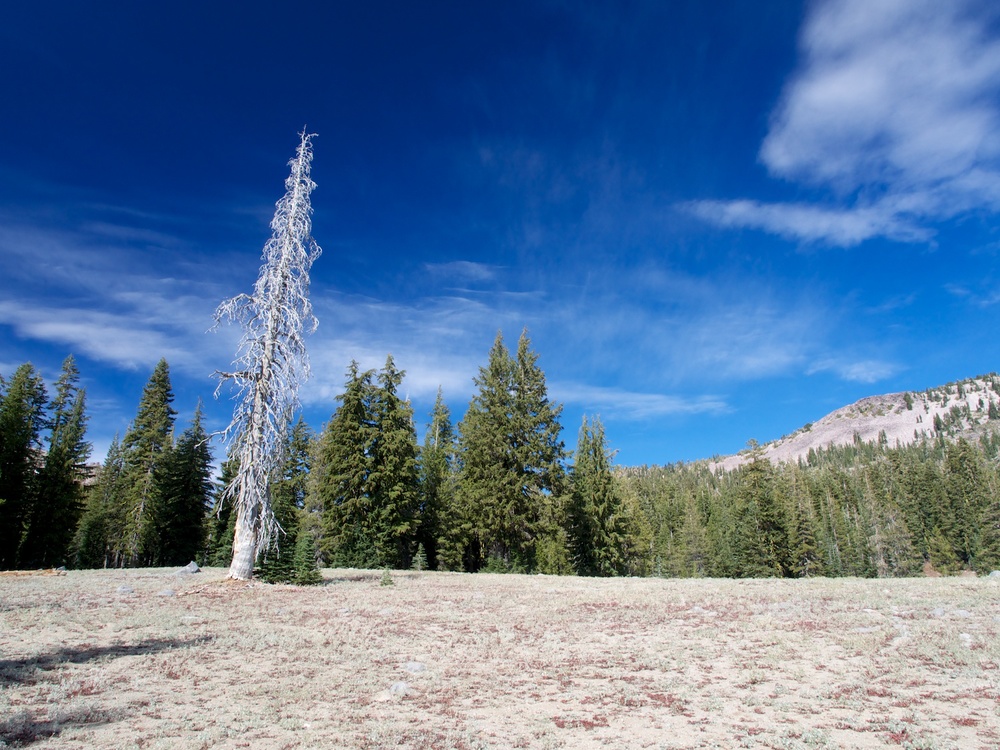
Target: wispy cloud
[
  {"x": 616, "y": 403},
  {"x": 460, "y": 271},
  {"x": 895, "y": 109},
  {"x": 857, "y": 371}
]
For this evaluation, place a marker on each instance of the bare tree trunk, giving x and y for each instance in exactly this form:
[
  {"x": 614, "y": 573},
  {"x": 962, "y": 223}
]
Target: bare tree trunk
[{"x": 271, "y": 363}]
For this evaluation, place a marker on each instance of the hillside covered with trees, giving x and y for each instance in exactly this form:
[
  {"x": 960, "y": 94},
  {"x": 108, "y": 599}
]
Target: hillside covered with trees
[{"x": 495, "y": 491}]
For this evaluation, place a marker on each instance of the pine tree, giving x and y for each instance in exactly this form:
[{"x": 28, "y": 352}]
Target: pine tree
[
  {"x": 394, "y": 480},
  {"x": 22, "y": 419},
  {"x": 185, "y": 489},
  {"x": 146, "y": 450},
  {"x": 599, "y": 527},
  {"x": 220, "y": 525},
  {"x": 440, "y": 526},
  {"x": 761, "y": 531},
  {"x": 59, "y": 495},
  {"x": 512, "y": 474},
  {"x": 281, "y": 563},
  {"x": 271, "y": 362},
  {"x": 340, "y": 479},
  {"x": 94, "y": 544},
  {"x": 367, "y": 478}
]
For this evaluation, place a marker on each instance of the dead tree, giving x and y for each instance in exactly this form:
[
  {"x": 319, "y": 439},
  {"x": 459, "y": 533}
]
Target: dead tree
[{"x": 271, "y": 362}]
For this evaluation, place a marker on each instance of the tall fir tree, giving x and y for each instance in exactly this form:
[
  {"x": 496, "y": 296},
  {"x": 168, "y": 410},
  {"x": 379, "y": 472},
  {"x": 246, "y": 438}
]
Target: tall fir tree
[
  {"x": 146, "y": 450},
  {"x": 340, "y": 478},
  {"x": 185, "y": 489},
  {"x": 281, "y": 563},
  {"x": 440, "y": 526},
  {"x": 761, "y": 547},
  {"x": 599, "y": 527},
  {"x": 394, "y": 480},
  {"x": 101, "y": 525},
  {"x": 366, "y": 479},
  {"x": 512, "y": 476},
  {"x": 22, "y": 420},
  {"x": 58, "y": 498}
]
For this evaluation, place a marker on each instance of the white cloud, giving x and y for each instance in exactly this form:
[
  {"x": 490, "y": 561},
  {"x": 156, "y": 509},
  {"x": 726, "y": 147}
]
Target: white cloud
[
  {"x": 462, "y": 271},
  {"x": 617, "y": 403},
  {"x": 895, "y": 107},
  {"x": 857, "y": 371}
]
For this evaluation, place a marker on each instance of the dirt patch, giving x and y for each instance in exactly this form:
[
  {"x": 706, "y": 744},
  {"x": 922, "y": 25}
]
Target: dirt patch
[{"x": 108, "y": 659}]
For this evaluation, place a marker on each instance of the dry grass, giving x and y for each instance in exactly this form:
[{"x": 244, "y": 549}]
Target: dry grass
[{"x": 107, "y": 659}]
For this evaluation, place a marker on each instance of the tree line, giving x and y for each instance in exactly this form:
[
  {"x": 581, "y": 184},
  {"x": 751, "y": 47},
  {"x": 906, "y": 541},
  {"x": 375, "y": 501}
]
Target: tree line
[{"x": 497, "y": 491}]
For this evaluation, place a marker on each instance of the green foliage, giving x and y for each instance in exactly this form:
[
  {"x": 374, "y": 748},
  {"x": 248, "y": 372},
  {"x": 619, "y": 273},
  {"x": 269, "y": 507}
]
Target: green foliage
[
  {"x": 512, "y": 477},
  {"x": 600, "y": 528},
  {"x": 419, "y": 558},
  {"x": 185, "y": 490},
  {"x": 22, "y": 419},
  {"x": 386, "y": 579},
  {"x": 366, "y": 480}
]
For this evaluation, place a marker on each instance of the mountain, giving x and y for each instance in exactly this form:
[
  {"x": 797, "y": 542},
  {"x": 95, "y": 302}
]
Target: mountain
[{"x": 964, "y": 408}]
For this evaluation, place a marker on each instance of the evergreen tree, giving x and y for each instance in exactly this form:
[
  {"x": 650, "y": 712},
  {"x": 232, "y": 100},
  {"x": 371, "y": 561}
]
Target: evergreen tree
[
  {"x": 440, "y": 526},
  {"x": 185, "y": 489},
  {"x": 394, "y": 481},
  {"x": 220, "y": 525},
  {"x": 599, "y": 526},
  {"x": 967, "y": 491},
  {"x": 512, "y": 474},
  {"x": 146, "y": 449},
  {"x": 22, "y": 419},
  {"x": 368, "y": 483},
  {"x": 95, "y": 542},
  {"x": 761, "y": 530},
  {"x": 281, "y": 562},
  {"x": 58, "y": 498},
  {"x": 340, "y": 479}
]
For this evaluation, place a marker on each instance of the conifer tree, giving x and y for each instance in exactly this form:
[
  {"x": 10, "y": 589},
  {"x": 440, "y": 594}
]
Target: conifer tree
[
  {"x": 512, "y": 474},
  {"x": 394, "y": 480},
  {"x": 22, "y": 419},
  {"x": 221, "y": 522},
  {"x": 340, "y": 479},
  {"x": 599, "y": 527},
  {"x": 146, "y": 449},
  {"x": 285, "y": 560},
  {"x": 271, "y": 362},
  {"x": 761, "y": 531},
  {"x": 185, "y": 488},
  {"x": 58, "y": 498},
  {"x": 440, "y": 525},
  {"x": 101, "y": 525},
  {"x": 367, "y": 479}
]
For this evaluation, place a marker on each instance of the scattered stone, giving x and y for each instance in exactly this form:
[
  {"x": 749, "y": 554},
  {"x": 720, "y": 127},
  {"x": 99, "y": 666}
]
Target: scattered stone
[
  {"x": 994, "y": 574},
  {"x": 937, "y": 612},
  {"x": 415, "y": 667},
  {"x": 966, "y": 638},
  {"x": 866, "y": 630},
  {"x": 962, "y": 613},
  {"x": 123, "y": 589},
  {"x": 191, "y": 567},
  {"x": 166, "y": 592},
  {"x": 400, "y": 688}
]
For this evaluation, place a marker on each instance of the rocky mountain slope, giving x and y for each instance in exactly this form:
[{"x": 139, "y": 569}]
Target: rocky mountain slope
[{"x": 967, "y": 407}]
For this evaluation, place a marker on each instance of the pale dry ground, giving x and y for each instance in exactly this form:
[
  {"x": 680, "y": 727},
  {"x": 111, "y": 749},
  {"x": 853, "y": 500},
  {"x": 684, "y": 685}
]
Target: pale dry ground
[{"x": 497, "y": 661}]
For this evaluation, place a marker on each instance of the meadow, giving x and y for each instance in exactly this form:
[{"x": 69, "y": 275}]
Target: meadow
[{"x": 149, "y": 658}]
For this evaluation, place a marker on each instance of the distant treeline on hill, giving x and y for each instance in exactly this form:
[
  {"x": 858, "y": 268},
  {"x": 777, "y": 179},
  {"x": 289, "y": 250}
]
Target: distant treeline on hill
[{"x": 497, "y": 492}]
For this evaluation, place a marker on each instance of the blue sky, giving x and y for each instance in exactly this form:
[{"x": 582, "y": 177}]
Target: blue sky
[{"x": 718, "y": 221}]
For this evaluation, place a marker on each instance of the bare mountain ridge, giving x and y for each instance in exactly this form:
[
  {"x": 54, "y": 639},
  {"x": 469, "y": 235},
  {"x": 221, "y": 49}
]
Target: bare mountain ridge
[{"x": 963, "y": 408}]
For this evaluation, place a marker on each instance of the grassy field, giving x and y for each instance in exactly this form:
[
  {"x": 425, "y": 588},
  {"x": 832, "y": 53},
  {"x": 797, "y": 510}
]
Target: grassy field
[{"x": 150, "y": 659}]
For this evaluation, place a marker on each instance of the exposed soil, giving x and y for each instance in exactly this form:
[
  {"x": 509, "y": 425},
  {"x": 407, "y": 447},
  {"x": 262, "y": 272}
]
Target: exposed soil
[{"x": 150, "y": 659}]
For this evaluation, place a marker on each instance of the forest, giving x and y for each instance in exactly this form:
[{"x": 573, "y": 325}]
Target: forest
[{"x": 497, "y": 491}]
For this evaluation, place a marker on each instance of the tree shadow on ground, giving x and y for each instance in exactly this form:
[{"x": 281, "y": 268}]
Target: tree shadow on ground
[
  {"x": 25, "y": 728},
  {"x": 31, "y": 669}
]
